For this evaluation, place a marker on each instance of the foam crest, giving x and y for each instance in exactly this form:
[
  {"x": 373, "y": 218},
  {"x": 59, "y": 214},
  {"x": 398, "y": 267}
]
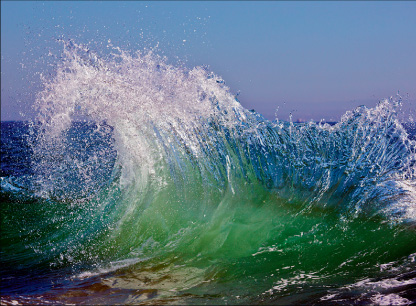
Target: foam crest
[
  {"x": 137, "y": 88},
  {"x": 139, "y": 95}
]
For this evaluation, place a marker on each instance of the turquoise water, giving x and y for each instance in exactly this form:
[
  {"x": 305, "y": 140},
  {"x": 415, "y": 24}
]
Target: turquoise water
[{"x": 142, "y": 182}]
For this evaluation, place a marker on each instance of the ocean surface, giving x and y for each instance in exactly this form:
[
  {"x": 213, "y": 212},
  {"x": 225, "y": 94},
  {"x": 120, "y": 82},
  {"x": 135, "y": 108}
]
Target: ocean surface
[{"x": 140, "y": 182}]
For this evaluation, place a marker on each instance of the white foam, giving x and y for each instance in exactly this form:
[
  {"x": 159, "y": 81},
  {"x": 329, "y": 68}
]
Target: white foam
[{"x": 389, "y": 299}]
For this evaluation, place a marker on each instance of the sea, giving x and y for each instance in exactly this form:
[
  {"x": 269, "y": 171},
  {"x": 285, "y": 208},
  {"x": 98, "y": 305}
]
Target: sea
[{"x": 142, "y": 182}]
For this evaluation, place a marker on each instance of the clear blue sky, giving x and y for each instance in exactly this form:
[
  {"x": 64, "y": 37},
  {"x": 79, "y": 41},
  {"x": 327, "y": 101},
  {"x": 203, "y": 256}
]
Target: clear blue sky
[{"x": 315, "y": 59}]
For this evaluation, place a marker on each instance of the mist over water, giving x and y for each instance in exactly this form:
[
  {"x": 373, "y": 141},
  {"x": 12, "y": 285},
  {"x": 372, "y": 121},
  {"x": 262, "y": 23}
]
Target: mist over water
[{"x": 150, "y": 183}]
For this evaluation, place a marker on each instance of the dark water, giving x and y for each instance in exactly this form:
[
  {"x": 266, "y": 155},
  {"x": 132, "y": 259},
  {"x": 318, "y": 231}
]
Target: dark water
[{"x": 144, "y": 183}]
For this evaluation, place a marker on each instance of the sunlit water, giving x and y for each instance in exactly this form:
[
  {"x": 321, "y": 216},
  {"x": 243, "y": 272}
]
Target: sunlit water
[{"x": 142, "y": 182}]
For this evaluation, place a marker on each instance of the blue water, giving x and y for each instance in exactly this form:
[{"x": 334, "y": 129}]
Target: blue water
[{"x": 141, "y": 182}]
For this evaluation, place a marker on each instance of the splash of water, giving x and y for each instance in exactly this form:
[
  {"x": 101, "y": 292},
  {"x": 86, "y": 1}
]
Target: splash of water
[{"x": 160, "y": 167}]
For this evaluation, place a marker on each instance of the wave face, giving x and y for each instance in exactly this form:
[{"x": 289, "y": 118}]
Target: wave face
[{"x": 151, "y": 183}]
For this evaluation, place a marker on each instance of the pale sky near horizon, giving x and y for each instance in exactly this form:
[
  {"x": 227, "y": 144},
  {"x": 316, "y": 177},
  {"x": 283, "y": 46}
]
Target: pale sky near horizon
[{"x": 313, "y": 59}]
